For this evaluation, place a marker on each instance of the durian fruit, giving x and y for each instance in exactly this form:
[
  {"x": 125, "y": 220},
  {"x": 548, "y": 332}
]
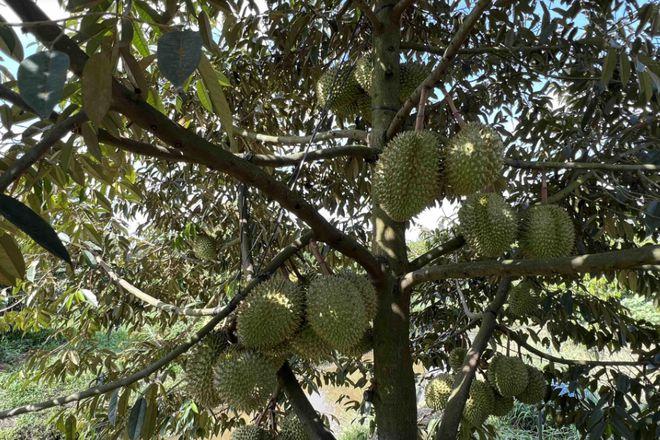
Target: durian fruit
[
  {"x": 204, "y": 247},
  {"x": 474, "y": 159},
  {"x": 522, "y": 301},
  {"x": 547, "y": 232},
  {"x": 508, "y": 375},
  {"x": 307, "y": 345},
  {"x": 198, "y": 370},
  {"x": 338, "y": 90},
  {"x": 292, "y": 429},
  {"x": 438, "y": 390},
  {"x": 335, "y": 311},
  {"x": 366, "y": 289},
  {"x": 456, "y": 358},
  {"x": 502, "y": 405},
  {"x": 250, "y": 432},
  {"x": 270, "y": 314},
  {"x": 464, "y": 431},
  {"x": 488, "y": 224},
  {"x": 536, "y": 387},
  {"x": 279, "y": 354},
  {"x": 363, "y": 105},
  {"x": 244, "y": 379},
  {"x": 479, "y": 404},
  {"x": 407, "y": 176},
  {"x": 365, "y": 345},
  {"x": 411, "y": 75},
  {"x": 364, "y": 70}
]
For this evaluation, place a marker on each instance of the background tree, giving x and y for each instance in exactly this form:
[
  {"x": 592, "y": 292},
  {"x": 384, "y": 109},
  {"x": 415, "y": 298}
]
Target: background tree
[{"x": 246, "y": 133}]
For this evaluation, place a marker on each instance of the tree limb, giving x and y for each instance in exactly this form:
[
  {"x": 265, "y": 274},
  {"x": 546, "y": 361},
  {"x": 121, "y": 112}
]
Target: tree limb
[
  {"x": 439, "y": 50},
  {"x": 358, "y": 135},
  {"x": 370, "y": 14},
  {"x": 451, "y": 416},
  {"x": 588, "y": 263},
  {"x": 447, "y": 58},
  {"x": 313, "y": 424},
  {"x": 442, "y": 249},
  {"x": 49, "y": 139},
  {"x": 199, "y": 149},
  {"x": 247, "y": 264},
  {"x": 538, "y": 165},
  {"x": 399, "y": 9},
  {"x": 273, "y": 160}
]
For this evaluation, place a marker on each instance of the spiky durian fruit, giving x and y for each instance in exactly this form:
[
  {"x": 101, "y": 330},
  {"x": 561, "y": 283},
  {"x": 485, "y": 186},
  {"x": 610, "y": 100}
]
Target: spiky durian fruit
[
  {"x": 456, "y": 358},
  {"x": 508, "y": 375},
  {"x": 501, "y": 405},
  {"x": 366, "y": 289},
  {"x": 270, "y": 314},
  {"x": 464, "y": 431},
  {"x": 198, "y": 370},
  {"x": 365, "y": 345},
  {"x": 522, "y": 301},
  {"x": 363, "y": 105},
  {"x": 338, "y": 90},
  {"x": 411, "y": 75},
  {"x": 250, "y": 432},
  {"x": 488, "y": 224},
  {"x": 204, "y": 247},
  {"x": 536, "y": 387},
  {"x": 547, "y": 232},
  {"x": 335, "y": 311},
  {"x": 479, "y": 404},
  {"x": 307, "y": 345},
  {"x": 438, "y": 390},
  {"x": 473, "y": 159},
  {"x": 279, "y": 354},
  {"x": 364, "y": 70},
  {"x": 244, "y": 379},
  {"x": 407, "y": 176},
  {"x": 292, "y": 429}
]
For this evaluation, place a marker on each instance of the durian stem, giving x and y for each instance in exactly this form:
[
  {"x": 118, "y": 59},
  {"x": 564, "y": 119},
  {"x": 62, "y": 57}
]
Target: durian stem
[
  {"x": 319, "y": 258},
  {"x": 452, "y": 106},
  {"x": 544, "y": 190},
  {"x": 423, "y": 98}
]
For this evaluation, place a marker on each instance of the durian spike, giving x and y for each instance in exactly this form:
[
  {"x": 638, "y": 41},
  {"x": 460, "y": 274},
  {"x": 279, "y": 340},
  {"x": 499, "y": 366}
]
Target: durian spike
[
  {"x": 423, "y": 97},
  {"x": 325, "y": 268}
]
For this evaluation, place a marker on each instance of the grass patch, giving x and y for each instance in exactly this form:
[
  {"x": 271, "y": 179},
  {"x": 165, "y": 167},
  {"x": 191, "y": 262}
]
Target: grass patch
[{"x": 522, "y": 424}]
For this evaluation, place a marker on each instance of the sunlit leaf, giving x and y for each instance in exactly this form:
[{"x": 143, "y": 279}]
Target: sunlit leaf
[
  {"x": 97, "y": 87},
  {"x": 41, "y": 80}
]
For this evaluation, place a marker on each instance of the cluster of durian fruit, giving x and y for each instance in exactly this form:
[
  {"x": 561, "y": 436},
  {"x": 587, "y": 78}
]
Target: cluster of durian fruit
[
  {"x": 290, "y": 429},
  {"x": 416, "y": 168},
  {"x": 507, "y": 377},
  {"x": 277, "y": 320},
  {"x": 347, "y": 91}
]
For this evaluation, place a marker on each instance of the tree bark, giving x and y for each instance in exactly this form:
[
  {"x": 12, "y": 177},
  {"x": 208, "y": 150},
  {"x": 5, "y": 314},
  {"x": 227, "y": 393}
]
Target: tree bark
[{"x": 395, "y": 398}]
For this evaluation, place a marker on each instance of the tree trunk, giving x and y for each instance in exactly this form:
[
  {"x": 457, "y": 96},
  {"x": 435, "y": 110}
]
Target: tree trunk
[{"x": 395, "y": 397}]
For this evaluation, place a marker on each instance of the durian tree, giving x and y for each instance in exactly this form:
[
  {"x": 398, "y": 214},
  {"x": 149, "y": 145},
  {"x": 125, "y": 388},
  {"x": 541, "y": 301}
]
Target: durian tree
[{"x": 240, "y": 177}]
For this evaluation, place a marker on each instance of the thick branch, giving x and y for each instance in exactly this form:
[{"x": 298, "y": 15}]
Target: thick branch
[
  {"x": 454, "y": 408},
  {"x": 399, "y": 9},
  {"x": 247, "y": 264},
  {"x": 439, "y": 71},
  {"x": 536, "y": 165},
  {"x": 588, "y": 263},
  {"x": 49, "y": 139},
  {"x": 312, "y": 422},
  {"x": 273, "y": 160},
  {"x": 369, "y": 13},
  {"x": 443, "y": 249},
  {"x": 199, "y": 149},
  {"x": 358, "y": 135},
  {"x": 521, "y": 340}
]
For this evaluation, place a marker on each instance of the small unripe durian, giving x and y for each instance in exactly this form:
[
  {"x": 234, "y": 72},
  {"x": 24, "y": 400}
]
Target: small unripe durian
[
  {"x": 250, "y": 432},
  {"x": 522, "y": 301},
  {"x": 336, "y": 312},
  {"x": 338, "y": 90},
  {"x": 198, "y": 370},
  {"x": 456, "y": 358},
  {"x": 474, "y": 159},
  {"x": 245, "y": 379},
  {"x": 270, "y": 314},
  {"x": 407, "y": 176},
  {"x": 488, "y": 224},
  {"x": 292, "y": 429},
  {"x": 479, "y": 404},
  {"x": 438, "y": 390},
  {"x": 548, "y": 232},
  {"x": 536, "y": 387},
  {"x": 204, "y": 247},
  {"x": 309, "y": 346},
  {"x": 364, "y": 70},
  {"x": 508, "y": 375},
  {"x": 502, "y": 405},
  {"x": 411, "y": 76},
  {"x": 366, "y": 289}
]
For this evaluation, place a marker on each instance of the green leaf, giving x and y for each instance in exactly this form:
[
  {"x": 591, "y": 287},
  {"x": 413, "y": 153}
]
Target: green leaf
[
  {"x": 91, "y": 141},
  {"x": 206, "y": 31},
  {"x": 178, "y": 55},
  {"x": 97, "y": 87},
  {"x": 203, "y": 96},
  {"x": 151, "y": 414},
  {"x": 608, "y": 66},
  {"x": 136, "y": 419},
  {"x": 41, "y": 80},
  {"x": 37, "y": 228},
  {"x": 113, "y": 406},
  {"x": 217, "y": 95},
  {"x": 12, "y": 265},
  {"x": 70, "y": 427},
  {"x": 9, "y": 41},
  {"x": 624, "y": 65}
]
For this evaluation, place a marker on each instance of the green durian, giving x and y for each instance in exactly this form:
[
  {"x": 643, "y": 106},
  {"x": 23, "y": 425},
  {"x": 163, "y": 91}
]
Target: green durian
[
  {"x": 522, "y": 300},
  {"x": 244, "y": 379},
  {"x": 270, "y": 314},
  {"x": 547, "y": 232},
  {"x": 339, "y": 91},
  {"x": 364, "y": 70},
  {"x": 536, "y": 387},
  {"x": 474, "y": 159},
  {"x": 407, "y": 177},
  {"x": 365, "y": 345},
  {"x": 335, "y": 311},
  {"x": 204, "y": 247},
  {"x": 437, "y": 391},
  {"x": 456, "y": 358},
  {"x": 479, "y": 404},
  {"x": 307, "y": 345},
  {"x": 250, "y": 432},
  {"x": 292, "y": 429},
  {"x": 508, "y": 375},
  {"x": 198, "y": 370},
  {"x": 488, "y": 224},
  {"x": 411, "y": 75},
  {"x": 502, "y": 405},
  {"x": 366, "y": 289}
]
